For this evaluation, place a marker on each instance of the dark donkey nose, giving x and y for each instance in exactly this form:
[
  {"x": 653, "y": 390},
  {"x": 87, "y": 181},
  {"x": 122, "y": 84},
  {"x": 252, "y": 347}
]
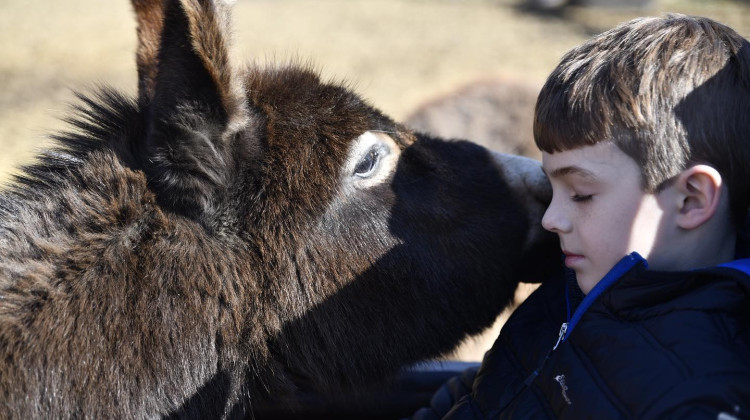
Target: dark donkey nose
[{"x": 526, "y": 178}]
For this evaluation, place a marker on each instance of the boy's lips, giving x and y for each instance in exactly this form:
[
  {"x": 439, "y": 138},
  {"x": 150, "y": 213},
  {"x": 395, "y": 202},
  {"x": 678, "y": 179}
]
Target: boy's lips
[{"x": 572, "y": 259}]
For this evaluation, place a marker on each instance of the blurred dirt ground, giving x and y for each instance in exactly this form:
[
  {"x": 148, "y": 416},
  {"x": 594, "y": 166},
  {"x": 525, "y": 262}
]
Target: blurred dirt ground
[{"x": 396, "y": 53}]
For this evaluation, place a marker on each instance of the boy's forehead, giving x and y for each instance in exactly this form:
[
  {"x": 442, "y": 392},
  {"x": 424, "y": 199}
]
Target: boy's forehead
[{"x": 592, "y": 161}]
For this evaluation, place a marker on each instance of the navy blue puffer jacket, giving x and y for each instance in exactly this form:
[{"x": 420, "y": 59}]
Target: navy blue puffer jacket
[{"x": 641, "y": 345}]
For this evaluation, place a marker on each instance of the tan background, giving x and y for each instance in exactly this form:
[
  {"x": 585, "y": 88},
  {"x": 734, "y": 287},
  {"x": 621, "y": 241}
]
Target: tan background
[{"x": 395, "y": 53}]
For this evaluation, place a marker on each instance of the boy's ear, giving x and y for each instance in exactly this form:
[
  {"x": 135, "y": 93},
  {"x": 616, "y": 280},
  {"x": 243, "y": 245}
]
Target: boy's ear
[{"x": 699, "y": 195}]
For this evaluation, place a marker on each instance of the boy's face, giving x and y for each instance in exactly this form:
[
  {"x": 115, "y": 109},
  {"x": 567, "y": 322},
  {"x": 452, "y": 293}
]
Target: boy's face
[{"x": 599, "y": 211}]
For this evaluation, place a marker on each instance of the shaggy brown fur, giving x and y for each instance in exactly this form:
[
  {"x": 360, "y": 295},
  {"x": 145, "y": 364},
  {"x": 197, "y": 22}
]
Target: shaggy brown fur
[{"x": 208, "y": 245}]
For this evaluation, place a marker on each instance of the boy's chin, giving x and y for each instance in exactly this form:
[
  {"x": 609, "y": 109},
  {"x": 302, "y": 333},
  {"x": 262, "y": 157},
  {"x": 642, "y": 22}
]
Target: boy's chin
[{"x": 586, "y": 281}]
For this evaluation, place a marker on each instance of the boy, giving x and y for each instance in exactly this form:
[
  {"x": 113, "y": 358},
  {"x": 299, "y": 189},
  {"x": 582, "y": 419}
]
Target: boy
[{"x": 645, "y": 133}]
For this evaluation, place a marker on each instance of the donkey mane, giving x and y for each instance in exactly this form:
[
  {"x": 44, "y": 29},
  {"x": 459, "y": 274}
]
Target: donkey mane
[{"x": 104, "y": 120}]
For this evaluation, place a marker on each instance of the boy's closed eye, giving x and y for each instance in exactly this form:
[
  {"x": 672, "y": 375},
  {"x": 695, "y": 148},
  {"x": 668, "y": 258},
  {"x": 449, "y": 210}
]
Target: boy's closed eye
[
  {"x": 574, "y": 179},
  {"x": 579, "y": 198}
]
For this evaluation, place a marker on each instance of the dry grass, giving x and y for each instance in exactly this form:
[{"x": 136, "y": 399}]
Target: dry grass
[{"x": 396, "y": 53}]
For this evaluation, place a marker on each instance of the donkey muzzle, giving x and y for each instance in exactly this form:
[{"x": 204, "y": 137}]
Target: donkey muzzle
[{"x": 526, "y": 178}]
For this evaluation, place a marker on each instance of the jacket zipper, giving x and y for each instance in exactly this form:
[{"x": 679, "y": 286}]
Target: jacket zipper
[
  {"x": 535, "y": 373},
  {"x": 563, "y": 330}
]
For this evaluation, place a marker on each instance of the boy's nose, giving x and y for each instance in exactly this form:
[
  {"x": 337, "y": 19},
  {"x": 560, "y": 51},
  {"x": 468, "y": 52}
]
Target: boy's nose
[{"x": 554, "y": 219}]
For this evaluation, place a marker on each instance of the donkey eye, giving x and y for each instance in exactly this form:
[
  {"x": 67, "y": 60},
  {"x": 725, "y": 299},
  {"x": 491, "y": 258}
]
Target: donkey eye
[{"x": 367, "y": 165}]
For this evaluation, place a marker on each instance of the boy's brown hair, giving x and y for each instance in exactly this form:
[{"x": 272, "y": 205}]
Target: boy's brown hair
[{"x": 669, "y": 92}]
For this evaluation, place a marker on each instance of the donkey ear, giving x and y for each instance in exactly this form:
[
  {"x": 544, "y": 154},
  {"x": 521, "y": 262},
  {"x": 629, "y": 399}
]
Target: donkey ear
[
  {"x": 150, "y": 18},
  {"x": 197, "y": 106}
]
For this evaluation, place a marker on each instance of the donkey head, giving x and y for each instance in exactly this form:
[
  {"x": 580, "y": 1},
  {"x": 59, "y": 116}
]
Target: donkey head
[{"x": 372, "y": 246}]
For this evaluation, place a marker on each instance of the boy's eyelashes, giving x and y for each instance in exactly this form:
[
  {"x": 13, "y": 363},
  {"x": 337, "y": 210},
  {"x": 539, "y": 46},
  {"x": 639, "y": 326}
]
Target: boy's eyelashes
[{"x": 581, "y": 198}]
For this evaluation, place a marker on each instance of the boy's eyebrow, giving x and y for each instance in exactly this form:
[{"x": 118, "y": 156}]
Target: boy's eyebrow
[{"x": 568, "y": 170}]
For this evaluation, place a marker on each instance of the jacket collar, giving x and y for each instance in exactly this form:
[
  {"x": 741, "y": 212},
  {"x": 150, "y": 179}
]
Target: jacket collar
[
  {"x": 632, "y": 292},
  {"x": 742, "y": 265},
  {"x": 622, "y": 267}
]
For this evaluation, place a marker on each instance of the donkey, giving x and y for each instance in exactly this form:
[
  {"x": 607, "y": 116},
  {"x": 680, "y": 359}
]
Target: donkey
[{"x": 230, "y": 236}]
